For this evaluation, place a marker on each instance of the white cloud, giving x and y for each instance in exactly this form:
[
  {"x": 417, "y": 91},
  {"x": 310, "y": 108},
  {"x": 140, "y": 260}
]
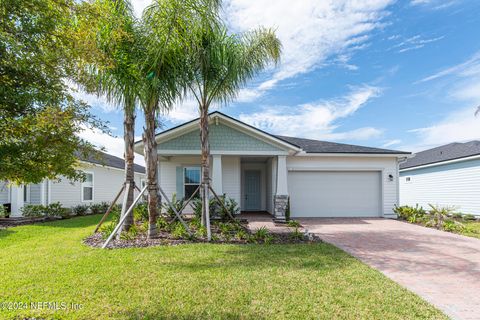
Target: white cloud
[
  {"x": 459, "y": 126},
  {"x": 311, "y": 31},
  {"x": 433, "y": 4},
  {"x": 113, "y": 145},
  {"x": 316, "y": 120},
  {"x": 414, "y": 42},
  {"x": 391, "y": 143}
]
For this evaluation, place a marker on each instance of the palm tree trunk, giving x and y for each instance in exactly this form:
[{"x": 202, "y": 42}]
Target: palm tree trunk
[
  {"x": 151, "y": 161},
  {"x": 205, "y": 163},
  {"x": 129, "y": 140}
]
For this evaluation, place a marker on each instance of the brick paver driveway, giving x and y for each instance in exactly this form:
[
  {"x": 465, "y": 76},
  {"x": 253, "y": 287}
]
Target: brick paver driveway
[{"x": 441, "y": 267}]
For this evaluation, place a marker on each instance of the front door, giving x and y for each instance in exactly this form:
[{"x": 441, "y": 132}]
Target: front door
[{"x": 252, "y": 190}]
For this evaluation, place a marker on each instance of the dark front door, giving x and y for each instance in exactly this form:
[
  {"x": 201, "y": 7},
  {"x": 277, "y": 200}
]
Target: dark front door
[{"x": 252, "y": 192}]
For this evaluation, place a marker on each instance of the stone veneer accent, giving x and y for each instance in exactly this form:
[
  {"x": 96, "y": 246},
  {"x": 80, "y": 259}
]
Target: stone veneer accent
[{"x": 280, "y": 203}]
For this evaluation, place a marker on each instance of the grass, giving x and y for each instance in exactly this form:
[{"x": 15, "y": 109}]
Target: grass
[
  {"x": 472, "y": 229},
  {"x": 48, "y": 262}
]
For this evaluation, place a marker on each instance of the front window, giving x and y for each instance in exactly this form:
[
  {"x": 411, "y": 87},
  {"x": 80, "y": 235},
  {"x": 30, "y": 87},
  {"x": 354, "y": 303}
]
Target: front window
[
  {"x": 87, "y": 187},
  {"x": 191, "y": 181}
]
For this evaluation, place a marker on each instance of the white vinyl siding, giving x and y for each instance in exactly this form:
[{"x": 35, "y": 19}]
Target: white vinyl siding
[
  {"x": 107, "y": 183},
  {"x": 385, "y": 165},
  {"x": 456, "y": 184},
  {"x": 4, "y": 192},
  {"x": 231, "y": 177}
]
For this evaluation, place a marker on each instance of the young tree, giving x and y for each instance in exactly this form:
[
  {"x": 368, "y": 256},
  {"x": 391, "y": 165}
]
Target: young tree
[
  {"x": 170, "y": 29},
  {"x": 39, "y": 119},
  {"x": 221, "y": 64},
  {"x": 116, "y": 75}
]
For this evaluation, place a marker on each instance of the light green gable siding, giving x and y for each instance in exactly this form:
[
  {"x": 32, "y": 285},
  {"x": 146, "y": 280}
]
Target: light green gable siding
[{"x": 222, "y": 138}]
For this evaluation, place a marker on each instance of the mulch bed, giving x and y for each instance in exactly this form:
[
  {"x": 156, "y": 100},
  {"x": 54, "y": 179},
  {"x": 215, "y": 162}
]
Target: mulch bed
[{"x": 165, "y": 239}]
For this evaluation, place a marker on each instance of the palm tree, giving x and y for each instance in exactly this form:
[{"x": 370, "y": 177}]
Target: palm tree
[
  {"x": 221, "y": 64},
  {"x": 169, "y": 29},
  {"x": 116, "y": 77}
]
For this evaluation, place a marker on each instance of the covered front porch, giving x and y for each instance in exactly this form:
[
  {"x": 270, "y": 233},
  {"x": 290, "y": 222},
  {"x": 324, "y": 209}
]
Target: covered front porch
[{"x": 258, "y": 183}]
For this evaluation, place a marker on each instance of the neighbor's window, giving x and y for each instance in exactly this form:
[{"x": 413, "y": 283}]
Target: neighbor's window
[
  {"x": 25, "y": 194},
  {"x": 143, "y": 183},
  {"x": 191, "y": 181},
  {"x": 87, "y": 187},
  {"x": 407, "y": 179}
]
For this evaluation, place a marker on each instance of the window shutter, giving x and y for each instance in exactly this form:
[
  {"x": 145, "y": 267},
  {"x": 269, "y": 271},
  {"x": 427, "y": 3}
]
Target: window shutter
[{"x": 179, "y": 183}]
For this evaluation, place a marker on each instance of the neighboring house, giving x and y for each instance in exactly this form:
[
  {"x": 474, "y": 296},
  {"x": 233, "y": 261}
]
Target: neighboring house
[
  {"x": 261, "y": 171},
  {"x": 447, "y": 176},
  {"x": 104, "y": 178}
]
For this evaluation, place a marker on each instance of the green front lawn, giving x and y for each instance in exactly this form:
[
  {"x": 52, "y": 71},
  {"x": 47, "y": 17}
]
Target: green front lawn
[{"x": 48, "y": 262}]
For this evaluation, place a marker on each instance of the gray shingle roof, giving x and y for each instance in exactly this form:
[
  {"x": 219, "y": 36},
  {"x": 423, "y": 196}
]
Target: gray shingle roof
[
  {"x": 106, "y": 159},
  {"x": 450, "y": 151},
  {"x": 317, "y": 146}
]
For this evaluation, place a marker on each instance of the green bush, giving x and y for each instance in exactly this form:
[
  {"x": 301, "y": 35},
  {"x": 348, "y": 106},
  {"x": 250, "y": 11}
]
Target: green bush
[
  {"x": 179, "y": 231},
  {"x": 107, "y": 229},
  {"x": 33, "y": 210},
  {"x": 410, "y": 214},
  {"x": 293, "y": 224},
  {"x": 99, "y": 208},
  {"x": 57, "y": 210},
  {"x": 215, "y": 207},
  {"x": 176, "y": 203},
  {"x": 453, "y": 226},
  {"x": 140, "y": 212},
  {"x": 3, "y": 211},
  {"x": 287, "y": 210},
  {"x": 261, "y": 235},
  {"x": 468, "y": 217},
  {"x": 52, "y": 210},
  {"x": 437, "y": 216},
  {"x": 80, "y": 210}
]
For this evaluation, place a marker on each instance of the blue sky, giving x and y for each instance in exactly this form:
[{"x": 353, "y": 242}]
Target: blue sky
[{"x": 402, "y": 75}]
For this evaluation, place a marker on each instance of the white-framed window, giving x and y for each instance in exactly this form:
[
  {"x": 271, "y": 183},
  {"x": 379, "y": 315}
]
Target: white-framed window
[
  {"x": 87, "y": 187},
  {"x": 191, "y": 181}
]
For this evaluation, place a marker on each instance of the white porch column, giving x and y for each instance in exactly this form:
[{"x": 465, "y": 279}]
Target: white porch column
[
  {"x": 43, "y": 198},
  {"x": 281, "y": 196},
  {"x": 282, "y": 187},
  {"x": 16, "y": 200},
  {"x": 217, "y": 174}
]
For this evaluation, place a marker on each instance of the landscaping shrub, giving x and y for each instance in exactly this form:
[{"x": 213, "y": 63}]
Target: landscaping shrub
[
  {"x": 3, "y": 211},
  {"x": 57, "y": 210},
  {"x": 293, "y": 224},
  {"x": 99, "y": 208},
  {"x": 215, "y": 207},
  {"x": 33, "y": 210},
  {"x": 453, "y": 226},
  {"x": 80, "y": 210},
  {"x": 437, "y": 216},
  {"x": 52, "y": 210},
  {"x": 140, "y": 212},
  {"x": 287, "y": 210},
  {"x": 261, "y": 235},
  {"x": 179, "y": 231},
  {"x": 468, "y": 217},
  {"x": 176, "y": 203},
  {"x": 410, "y": 214}
]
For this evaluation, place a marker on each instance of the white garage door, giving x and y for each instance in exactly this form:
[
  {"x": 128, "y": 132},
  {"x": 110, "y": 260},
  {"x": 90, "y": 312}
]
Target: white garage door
[{"x": 334, "y": 193}]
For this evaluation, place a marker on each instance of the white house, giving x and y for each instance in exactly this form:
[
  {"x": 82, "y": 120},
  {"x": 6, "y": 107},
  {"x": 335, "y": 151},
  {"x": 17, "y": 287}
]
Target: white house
[
  {"x": 104, "y": 178},
  {"x": 262, "y": 171},
  {"x": 447, "y": 176}
]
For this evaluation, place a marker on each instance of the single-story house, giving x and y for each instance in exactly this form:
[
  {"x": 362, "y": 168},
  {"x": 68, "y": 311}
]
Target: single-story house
[
  {"x": 104, "y": 178},
  {"x": 263, "y": 172},
  {"x": 448, "y": 175}
]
